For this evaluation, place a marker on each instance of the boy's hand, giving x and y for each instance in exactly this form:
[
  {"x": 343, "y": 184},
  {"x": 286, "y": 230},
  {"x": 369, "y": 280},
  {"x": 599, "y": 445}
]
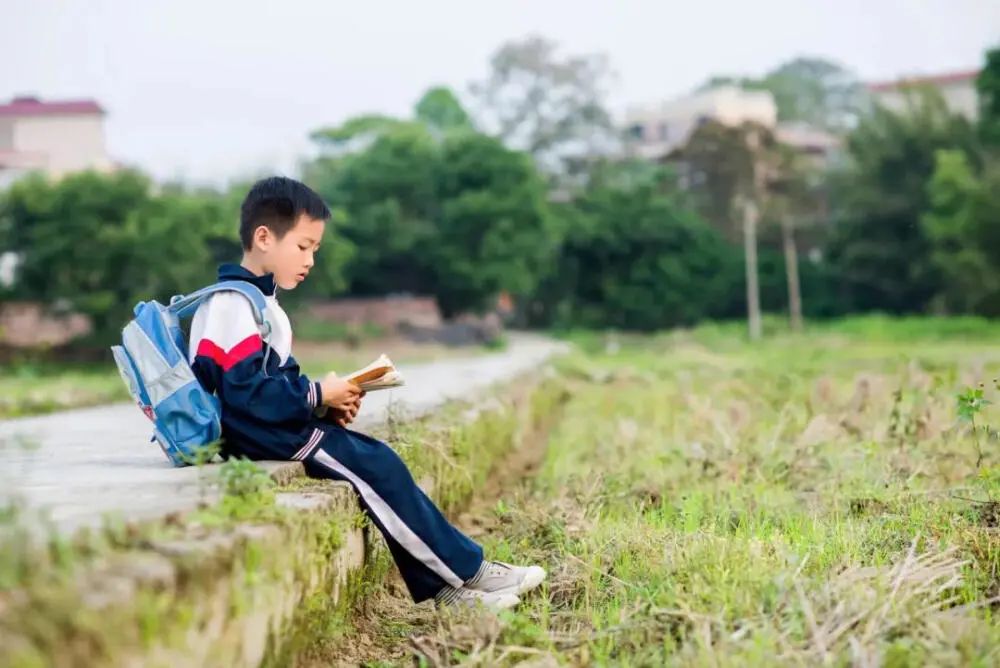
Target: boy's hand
[
  {"x": 340, "y": 394},
  {"x": 344, "y": 418}
]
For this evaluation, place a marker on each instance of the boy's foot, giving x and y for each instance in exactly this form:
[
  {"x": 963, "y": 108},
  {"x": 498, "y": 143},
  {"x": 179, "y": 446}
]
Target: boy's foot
[
  {"x": 497, "y": 577},
  {"x": 470, "y": 598}
]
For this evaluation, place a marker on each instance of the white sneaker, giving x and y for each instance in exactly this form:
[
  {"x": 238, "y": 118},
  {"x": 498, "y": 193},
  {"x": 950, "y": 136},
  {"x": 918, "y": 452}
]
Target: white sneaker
[
  {"x": 470, "y": 598},
  {"x": 497, "y": 577}
]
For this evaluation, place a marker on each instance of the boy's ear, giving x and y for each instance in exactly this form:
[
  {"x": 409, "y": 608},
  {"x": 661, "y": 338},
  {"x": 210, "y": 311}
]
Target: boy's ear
[{"x": 262, "y": 237}]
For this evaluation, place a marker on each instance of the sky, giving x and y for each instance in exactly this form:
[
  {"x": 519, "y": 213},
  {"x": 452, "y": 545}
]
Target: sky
[{"x": 210, "y": 91}]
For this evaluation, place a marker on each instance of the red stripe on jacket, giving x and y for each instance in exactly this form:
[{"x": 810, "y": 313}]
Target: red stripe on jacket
[{"x": 235, "y": 355}]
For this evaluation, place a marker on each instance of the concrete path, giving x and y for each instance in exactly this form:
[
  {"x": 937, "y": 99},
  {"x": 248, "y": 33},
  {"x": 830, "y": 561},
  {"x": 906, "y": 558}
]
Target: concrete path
[{"x": 82, "y": 466}]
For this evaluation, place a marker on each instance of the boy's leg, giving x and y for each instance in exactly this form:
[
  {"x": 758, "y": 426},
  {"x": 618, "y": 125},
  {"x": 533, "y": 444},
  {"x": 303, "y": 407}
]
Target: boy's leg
[{"x": 428, "y": 550}]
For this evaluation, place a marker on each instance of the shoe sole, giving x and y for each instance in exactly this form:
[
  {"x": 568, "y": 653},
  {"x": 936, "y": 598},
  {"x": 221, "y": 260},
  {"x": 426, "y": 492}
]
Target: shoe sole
[
  {"x": 514, "y": 601},
  {"x": 505, "y": 602}
]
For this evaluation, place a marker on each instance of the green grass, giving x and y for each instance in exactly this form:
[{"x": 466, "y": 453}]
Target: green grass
[
  {"x": 315, "y": 329},
  {"x": 808, "y": 499},
  {"x": 32, "y": 388}
]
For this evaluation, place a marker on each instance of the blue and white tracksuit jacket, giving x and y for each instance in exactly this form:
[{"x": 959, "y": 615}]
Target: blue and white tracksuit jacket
[{"x": 270, "y": 414}]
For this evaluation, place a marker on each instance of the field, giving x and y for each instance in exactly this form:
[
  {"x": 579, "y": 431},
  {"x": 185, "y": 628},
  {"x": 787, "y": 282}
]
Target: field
[{"x": 830, "y": 498}]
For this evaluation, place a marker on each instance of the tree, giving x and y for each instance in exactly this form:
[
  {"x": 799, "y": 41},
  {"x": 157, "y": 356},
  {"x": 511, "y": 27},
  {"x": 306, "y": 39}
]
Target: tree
[
  {"x": 635, "y": 257},
  {"x": 389, "y": 195},
  {"x": 434, "y": 207},
  {"x": 359, "y": 128},
  {"x": 816, "y": 91},
  {"x": 96, "y": 244},
  {"x": 795, "y": 198},
  {"x": 550, "y": 106},
  {"x": 809, "y": 90},
  {"x": 379, "y": 173},
  {"x": 988, "y": 88},
  {"x": 716, "y": 167},
  {"x": 494, "y": 232},
  {"x": 879, "y": 248},
  {"x": 728, "y": 169},
  {"x": 963, "y": 227},
  {"x": 441, "y": 110},
  {"x": 948, "y": 226}
]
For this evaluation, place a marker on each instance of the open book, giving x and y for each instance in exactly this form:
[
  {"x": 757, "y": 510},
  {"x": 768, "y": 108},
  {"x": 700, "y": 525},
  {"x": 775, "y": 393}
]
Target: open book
[{"x": 379, "y": 375}]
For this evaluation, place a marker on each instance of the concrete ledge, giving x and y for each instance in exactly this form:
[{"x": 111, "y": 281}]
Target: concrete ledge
[
  {"x": 283, "y": 473},
  {"x": 194, "y": 595},
  {"x": 196, "y": 590}
]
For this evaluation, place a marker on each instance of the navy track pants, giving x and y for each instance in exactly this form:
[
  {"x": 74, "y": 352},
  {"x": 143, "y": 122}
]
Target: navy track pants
[{"x": 428, "y": 550}]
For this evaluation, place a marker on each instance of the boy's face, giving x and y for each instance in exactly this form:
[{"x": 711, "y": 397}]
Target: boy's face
[{"x": 291, "y": 257}]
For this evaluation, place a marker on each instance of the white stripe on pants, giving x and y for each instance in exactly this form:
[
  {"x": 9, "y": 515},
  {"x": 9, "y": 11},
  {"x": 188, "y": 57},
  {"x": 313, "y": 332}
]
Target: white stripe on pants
[{"x": 393, "y": 523}]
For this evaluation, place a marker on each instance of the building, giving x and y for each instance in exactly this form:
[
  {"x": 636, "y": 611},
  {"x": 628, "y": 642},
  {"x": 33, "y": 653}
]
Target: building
[
  {"x": 818, "y": 148},
  {"x": 957, "y": 88},
  {"x": 656, "y": 131},
  {"x": 55, "y": 137}
]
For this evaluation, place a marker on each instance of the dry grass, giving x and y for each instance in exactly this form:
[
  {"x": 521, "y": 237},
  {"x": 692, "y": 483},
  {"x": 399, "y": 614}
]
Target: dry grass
[{"x": 806, "y": 501}]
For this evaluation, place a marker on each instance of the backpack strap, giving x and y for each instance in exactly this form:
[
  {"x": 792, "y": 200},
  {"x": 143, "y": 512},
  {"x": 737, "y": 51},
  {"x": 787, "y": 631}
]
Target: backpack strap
[{"x": 184, "y": 306}]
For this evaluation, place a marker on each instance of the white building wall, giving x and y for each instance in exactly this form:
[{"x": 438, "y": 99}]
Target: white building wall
[
  {"x": 6, "y": 134},
  {"x": 960, "y": 96},
  {"x": 70, "y": 143},
  {"x": 659, "y": 129}
]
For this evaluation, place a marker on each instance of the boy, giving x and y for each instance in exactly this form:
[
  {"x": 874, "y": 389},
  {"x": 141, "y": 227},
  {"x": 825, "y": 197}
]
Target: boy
[{"x": 269, "y": 407}]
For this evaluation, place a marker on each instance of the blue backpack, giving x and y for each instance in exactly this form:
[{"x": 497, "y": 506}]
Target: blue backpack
[{"x": 153, "y": 362}]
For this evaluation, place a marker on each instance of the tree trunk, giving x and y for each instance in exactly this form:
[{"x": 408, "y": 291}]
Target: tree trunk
[
  {"x": 792, "y": 275},
  {"x": 750, "y": 254}
]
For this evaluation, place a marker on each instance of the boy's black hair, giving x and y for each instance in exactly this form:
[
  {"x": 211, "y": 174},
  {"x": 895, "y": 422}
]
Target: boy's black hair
[{"x": 277, "y": 202}]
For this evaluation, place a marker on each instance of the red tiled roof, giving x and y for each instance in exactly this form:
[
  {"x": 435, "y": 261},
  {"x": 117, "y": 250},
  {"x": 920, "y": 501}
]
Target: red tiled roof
[
  {"x": 32, "y": 106},
  {"x": 932, "y": 80}
]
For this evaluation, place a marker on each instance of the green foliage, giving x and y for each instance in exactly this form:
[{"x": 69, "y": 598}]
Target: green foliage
[
  {"x": 720, "y": 162},
  {"x": 29, "y": 387},
  {"x": 988, "y": 89},
  {"x": 313, "y": 329},
  {"x": 914, "y": 329},
  {"x": 971, "y": 401},
  {"x": 808, "y": 90},
  {"x": 879, "y": 247},
  {"x": 815, "y": 91},
  {"x": 434, "y": 207},
  {"x": 961, "y": 225},
  {"x": 247, "y": 491},
  {"x": 494, "y": 232},
  {"x": 440, "y": 109},
  {"x": 243, "y": 478},
  {"x": 357, "y": 128},
  {"x": 204, "y": 454},
  {"x": 387, "y": 192},
  {"x": 430, "y": 205},
  {"x": 633, "y": 257},
  {"x": 98, "y": 244}
]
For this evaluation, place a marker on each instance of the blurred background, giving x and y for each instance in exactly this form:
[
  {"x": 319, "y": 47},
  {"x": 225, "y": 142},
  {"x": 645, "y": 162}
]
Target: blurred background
[{"x": 555, "y": 165}]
